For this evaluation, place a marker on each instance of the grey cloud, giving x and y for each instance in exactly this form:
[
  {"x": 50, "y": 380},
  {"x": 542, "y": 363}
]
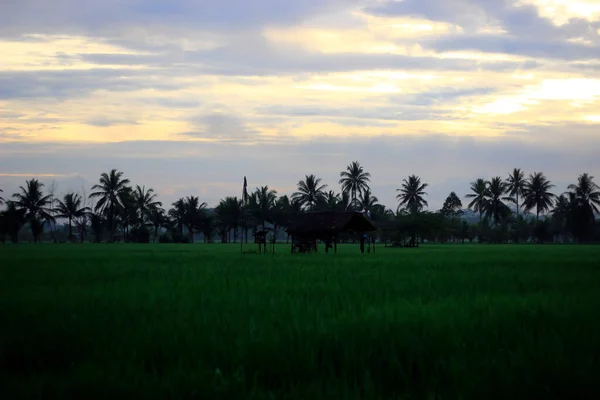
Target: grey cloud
[
  {"x": 221, "y": 125},
  {"x": 529, "y": 34},
  {"x": 68, "y": 84},
  {"x": 103, "y": 121}
]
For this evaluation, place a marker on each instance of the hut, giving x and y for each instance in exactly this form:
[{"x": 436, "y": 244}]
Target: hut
[{"x": 308, "y": 228}]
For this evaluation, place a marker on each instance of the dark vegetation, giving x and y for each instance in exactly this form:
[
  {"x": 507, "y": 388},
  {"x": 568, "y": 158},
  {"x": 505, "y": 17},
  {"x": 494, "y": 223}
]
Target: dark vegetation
[
  {"x": 512, "y": 210},
  {"x": 205, "y": 322}
]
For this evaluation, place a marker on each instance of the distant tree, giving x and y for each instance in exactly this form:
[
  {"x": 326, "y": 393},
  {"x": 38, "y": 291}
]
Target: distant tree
[
  {"x": 194, "y": 214},
  {"x": 515, "y": 186},
  {"x": 36, "y": 205},
  {"x": 310, "y": 192},
  {"x": 11, "y": 221},
  {"x": 177, "y": 215},
  {"x": 367, "y": 201},
  {"x": 145, "y": 201},
  {"x": 97, "y": 223},
  {"x": 494, "y": 205},
  {"x": 536, "y": 194},
  {"x": 109, "y": 192},
  {"x": 452, "y": 207},
  {"x": 266, "y": 199},
  {"x": 157, "y": 218},
  {"x": 354, "y": 180},
  {"x": 229, "y": 214},
  {"x": 71, "y": 208},
  {"x": 479, "y": 194},
  {"x": 344, "y": 202},
  {"x": 412, "y": 194},
  {"x": 587, "y": 191}
]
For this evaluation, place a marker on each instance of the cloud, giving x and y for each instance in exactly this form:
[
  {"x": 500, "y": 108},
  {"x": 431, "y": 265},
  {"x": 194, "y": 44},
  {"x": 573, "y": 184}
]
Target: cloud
[
  {"x": 222, "y": 126},
  {"x": 103, "y": 121}
]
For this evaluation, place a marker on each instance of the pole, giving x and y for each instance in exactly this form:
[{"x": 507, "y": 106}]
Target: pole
[{"x": 244, "y": 196}]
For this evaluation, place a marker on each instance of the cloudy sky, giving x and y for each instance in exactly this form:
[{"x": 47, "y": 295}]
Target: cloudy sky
[{"x": 188, "y": 96}]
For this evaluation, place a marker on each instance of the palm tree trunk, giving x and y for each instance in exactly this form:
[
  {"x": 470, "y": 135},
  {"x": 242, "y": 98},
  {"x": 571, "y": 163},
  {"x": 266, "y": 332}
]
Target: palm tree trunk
[{"x": 70, "y": 229}]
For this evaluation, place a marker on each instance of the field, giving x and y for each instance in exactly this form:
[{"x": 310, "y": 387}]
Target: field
[{"x": 204, "y": 321}]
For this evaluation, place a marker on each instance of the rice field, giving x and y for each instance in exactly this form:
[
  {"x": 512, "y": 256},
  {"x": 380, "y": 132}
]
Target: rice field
[{"x": 206, "y": 322}]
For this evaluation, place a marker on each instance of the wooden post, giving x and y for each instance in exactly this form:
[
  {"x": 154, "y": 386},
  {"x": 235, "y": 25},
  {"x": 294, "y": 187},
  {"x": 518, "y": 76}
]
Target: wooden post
[{"x": 335, "y": 244}]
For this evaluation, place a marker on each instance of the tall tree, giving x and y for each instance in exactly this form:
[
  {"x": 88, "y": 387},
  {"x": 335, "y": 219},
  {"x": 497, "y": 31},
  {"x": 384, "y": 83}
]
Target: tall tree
[
  {"x": 229, "y": 212},
  {"x": 310, "y": 192},
  {"x": 515, "y": 186},
  {"x": 11, "y": 221},
  {"x": 412, "y": 194},
  {"x": 354, "y": 180},
  {"x": 495, "y": 206},
  {"x": 71, "y": 208},
  {"x": 177, "y": 214},
  {"x": 110, "y": 190},
  {"x": 145, "y": 201},
  {"x": 158, "y": 219},
  {"x": 479, "y": 194},
  {"x": 36, "y": 205},
  {"x": 536, "y": 194},
  {"x": 587, "y": 191}
]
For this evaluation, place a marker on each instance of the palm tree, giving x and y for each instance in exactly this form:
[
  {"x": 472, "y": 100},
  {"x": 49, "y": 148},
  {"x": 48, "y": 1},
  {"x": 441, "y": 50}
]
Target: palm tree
[
  {"x": 229, "y": 211},
  {"x": 177, "y": 214},
  {"x": 515, "y": 185},
  {"x": 71, "y": 208},
  {"x": 367, "y": 201},
  {"x": 110, "y": 190},
  {"x": 193, "y": 215},
  {"x": 495, "y": 206},
  {"x": 479, "y": 189},
  {"x": 536, "y": 194},
  {"x": 267, "y": 198},
  {"x": 587, "y": 191},
  {"x": 36, "y": 206},
  {"x": 157, "y": 218},
  {"x": 411, "y": 194},
  {"x": 344, "y": 202},
  {"x": 145, "y": 201},
  {"x": 310, "y": 192},
  {"x": 354, "y": 180},
  {"x": 1, "y": 198}
]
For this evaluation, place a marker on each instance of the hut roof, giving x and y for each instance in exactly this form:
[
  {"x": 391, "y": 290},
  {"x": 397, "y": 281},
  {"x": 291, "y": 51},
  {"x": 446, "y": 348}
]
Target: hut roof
[{"x": 329, "y": 222}]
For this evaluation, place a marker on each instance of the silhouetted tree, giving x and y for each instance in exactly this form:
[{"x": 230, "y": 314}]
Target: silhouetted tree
[
  {"x": 494, "y": 205},
  {"x": 479, "y": 189},
  {"x": 536, "y": 194},
  {"x": 11, "y": 221},
  {"x": 145, "y": 201},
  {"x": 515, "y": 186},
  {"x": 411, "y": 194},
  {"x": 367, "y": 201},
  {"x": 193, "y": 215},
  {"x": 109, "y": 191},
  {"x": 266, "y": 199},
  {"x": 310, "y": 192},
  {"x": 71, "y": 208},
  {"x": 587, "y": 191},
  {"x": 452, "y": 207},
  {"x": 36, "y": 205},
  {"x": 354, "y": 180}
]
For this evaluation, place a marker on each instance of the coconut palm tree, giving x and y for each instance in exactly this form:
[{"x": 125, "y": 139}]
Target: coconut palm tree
[
  {"x": 194, "y": 213},
  {"x": 411, "y": 194},
  {"x": 354, "y": 180},
  {"x": 157, "y": 218},
  {"x": 494, "y": 205},
  {"x": 479, "y": 189},
  {"x": 70, "y": 208},
  {"x": 177, "y": 214},
  {"x": 110, "y": 190},
  {"x": 36, "y": 206},
  {"x": 587, "y": 191},
  {"x": 367, "y": 201},
  {"x": 536, "y": 194},
  {"x": 266, "y": 198},
  {"x": 145, "y": 201},
  {"x": 515, "y": 185},
  {"x": 310, "y": 192},
  {"x": 229, "y": 212}
]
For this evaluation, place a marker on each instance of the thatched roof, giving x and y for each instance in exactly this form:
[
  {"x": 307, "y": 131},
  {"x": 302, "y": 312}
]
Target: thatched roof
[{"x": 329, "y": 223}]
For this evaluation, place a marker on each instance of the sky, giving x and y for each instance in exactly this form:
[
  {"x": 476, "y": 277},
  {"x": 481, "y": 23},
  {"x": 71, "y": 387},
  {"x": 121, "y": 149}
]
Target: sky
[{"x": 188, "y": 96}]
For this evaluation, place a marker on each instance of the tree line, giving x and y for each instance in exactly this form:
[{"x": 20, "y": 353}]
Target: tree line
[{"x": 512, "y": 209}]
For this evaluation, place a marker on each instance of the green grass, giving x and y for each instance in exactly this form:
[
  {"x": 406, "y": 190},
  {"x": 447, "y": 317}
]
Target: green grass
[{"x": 203, "y": 321}]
